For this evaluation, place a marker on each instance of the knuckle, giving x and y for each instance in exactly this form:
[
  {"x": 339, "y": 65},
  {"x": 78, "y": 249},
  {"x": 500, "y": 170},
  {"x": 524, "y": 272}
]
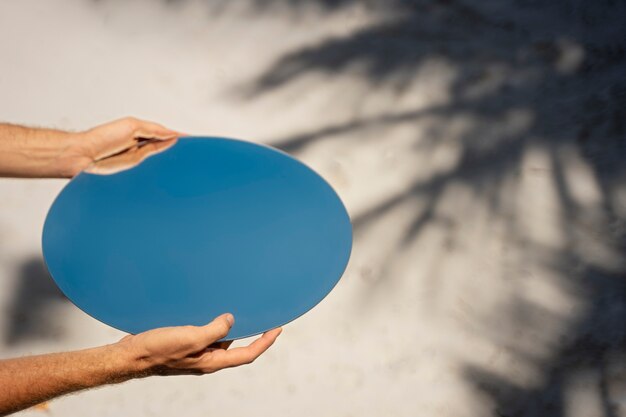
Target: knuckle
[
  {"x": 207, "y": 367},
  {"x": 131, "y": 122}
]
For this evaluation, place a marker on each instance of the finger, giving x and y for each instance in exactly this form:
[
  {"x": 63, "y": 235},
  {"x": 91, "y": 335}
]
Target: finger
[
  {"x": 129, "y": 158},
  {"x": 211, "y": 348},
  {"x": 151, "y": 130},
  {"x": 246, "y": 355},
  {"x": 218, "y": 328},
  {"x": 147, "y": 149},
  {"x": 114, "y": 148}
]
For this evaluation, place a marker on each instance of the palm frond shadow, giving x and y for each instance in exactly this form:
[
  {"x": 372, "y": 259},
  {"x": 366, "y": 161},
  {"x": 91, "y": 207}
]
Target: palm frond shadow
[
  {"x": 526, "y": 75},
  {"x": 563, "y": 64}
]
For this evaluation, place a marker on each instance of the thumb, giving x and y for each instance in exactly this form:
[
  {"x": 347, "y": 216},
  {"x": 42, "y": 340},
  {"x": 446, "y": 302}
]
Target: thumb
[{"x": 218, "y": 328}]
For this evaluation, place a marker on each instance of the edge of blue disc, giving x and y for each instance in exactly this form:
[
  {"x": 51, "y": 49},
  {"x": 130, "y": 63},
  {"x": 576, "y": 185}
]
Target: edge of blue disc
[{"x": 186, "y": 138}]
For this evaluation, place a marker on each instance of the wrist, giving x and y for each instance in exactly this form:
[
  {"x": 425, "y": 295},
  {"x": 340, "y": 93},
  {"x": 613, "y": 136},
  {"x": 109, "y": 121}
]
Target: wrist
[
  {"x": 73, "y": 155},
  {"x": 131, "y": 360}
]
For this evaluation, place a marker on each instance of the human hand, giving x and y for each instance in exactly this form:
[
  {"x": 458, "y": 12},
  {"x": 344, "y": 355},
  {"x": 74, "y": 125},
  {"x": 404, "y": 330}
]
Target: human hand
[
  {"x": 191, "y": 350},
  {"x": 116, "y": 146}
]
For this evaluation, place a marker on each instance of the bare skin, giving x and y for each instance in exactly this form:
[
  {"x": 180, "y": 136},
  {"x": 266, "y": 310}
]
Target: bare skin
[
  {"x": 105, "y": 149},
  {"x": 185, "y": 350}
]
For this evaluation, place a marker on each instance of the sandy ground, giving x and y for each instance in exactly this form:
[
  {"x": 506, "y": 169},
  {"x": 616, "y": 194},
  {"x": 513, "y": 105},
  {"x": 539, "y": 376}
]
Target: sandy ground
[{"x": 479, "y": 150}]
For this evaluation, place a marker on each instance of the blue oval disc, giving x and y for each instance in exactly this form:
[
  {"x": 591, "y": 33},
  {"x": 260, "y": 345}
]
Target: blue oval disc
[{"x": 209, "y": 226}]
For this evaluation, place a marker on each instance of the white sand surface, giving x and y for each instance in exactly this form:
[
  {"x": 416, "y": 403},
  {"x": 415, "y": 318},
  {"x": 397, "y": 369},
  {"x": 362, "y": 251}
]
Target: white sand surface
[{"x": 478, "y": 147}]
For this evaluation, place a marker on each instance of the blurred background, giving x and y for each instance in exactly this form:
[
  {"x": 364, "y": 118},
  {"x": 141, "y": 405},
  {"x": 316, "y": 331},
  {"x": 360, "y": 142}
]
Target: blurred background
[{"x": 479, "y": 147}]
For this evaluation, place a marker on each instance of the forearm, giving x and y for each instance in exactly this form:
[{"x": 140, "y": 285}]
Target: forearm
[
  {"x": 31, "y": 152},
  {"x": 27, "y": 381}
]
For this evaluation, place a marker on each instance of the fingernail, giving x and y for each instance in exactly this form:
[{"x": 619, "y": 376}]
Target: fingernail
[{"x": 230, "y": 319}]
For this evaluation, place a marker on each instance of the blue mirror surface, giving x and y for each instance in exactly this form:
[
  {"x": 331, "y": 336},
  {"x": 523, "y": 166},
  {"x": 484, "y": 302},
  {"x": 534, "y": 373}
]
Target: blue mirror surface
[{"x": 209, "y": 226}]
